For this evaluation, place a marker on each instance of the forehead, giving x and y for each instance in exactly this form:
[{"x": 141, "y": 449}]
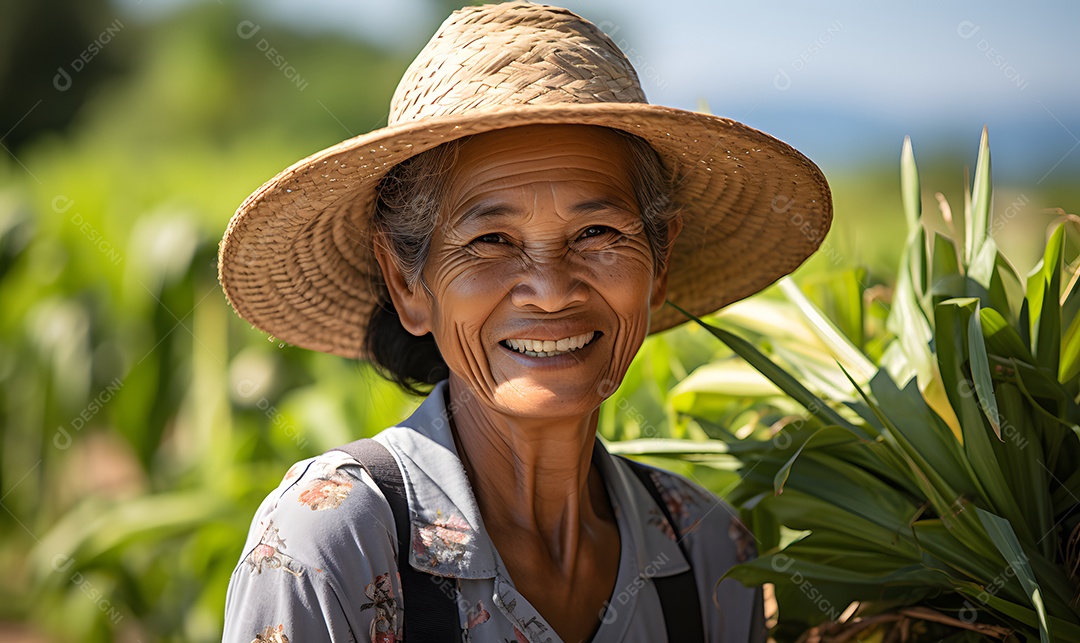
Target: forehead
[{"x": 580, "y": 156}]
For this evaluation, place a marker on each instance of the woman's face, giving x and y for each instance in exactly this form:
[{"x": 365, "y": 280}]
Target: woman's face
[{"x": 540, "y": 278}]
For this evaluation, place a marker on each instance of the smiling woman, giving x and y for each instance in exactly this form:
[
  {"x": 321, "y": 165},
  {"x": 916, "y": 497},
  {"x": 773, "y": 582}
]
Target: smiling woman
[
  {"x": 507, "y": 242},
  {"x": 407, "y": 208}
]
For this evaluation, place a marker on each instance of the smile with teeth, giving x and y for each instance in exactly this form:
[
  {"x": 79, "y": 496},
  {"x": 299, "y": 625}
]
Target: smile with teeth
[{"x": 547, "y": 347}]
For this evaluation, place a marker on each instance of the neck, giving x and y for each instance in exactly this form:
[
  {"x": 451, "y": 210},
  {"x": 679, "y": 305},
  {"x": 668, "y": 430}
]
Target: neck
[{"x": 529, "y": 473}]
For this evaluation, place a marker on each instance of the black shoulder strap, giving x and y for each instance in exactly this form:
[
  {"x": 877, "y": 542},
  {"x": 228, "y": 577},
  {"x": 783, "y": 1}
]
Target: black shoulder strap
[
  {"x": 434, "y": 615},
  {"x": 678, "y": 594}
]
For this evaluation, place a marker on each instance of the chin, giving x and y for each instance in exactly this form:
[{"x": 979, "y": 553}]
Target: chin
[{"x": 529, "y": 398}]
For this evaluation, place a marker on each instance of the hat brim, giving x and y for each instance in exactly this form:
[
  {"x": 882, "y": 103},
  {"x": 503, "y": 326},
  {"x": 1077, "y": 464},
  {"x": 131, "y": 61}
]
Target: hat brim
[{"x": 297, "y": 262}]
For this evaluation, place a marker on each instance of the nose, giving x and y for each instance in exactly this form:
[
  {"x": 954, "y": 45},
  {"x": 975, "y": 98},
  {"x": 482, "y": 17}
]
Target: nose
[{"x": 548, "y": 286}]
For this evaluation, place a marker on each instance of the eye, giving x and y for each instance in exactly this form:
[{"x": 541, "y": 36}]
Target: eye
[
  {"x": 595, "y": 231},
  {"x": 489, "y": 238}
]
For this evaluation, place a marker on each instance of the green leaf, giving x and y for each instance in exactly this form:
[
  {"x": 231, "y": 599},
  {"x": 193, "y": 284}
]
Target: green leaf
[
  {"x": 1002, "y": 339},
  {"x": 1001, "y": 532},
  {"x": 977, "y": 222},
  {"x": 841, "y": 297},
  {"x": 943, "y": 498},
  {"x": 782, "y": 475},
  {"x": 667, "y": 447},
  {"x": 816, "y": 506},
  {"x": 980, "y": 372},
  {"x": 842, "y": 348},
  {"x": 815, "y": 405},
  {"x": 945, "y": 261},
  {"x": 727, "y": 377},
  {"x": 1022, "y": 460},
  {"x": 1005, "y": 288},
  {"x": 909, "y": 186},
  {"x": 982, "y": 267},
  {"x": 1043, "y": 293},
  {"x": 913, "y": 419},
  {"x": 1070, "y": 352},
  {"x": 907, "y": 319},
  {"x": 1065, "y": 630},
  {"x": 781, "y": 568},
  {"x": 953, "y": 321}
]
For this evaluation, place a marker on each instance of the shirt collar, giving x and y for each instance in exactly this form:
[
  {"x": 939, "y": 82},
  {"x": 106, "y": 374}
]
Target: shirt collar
[{"x": 448, "y": 536}]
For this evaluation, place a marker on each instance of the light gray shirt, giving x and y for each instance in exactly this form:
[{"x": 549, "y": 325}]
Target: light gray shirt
[{"x": 320, "y": 560}]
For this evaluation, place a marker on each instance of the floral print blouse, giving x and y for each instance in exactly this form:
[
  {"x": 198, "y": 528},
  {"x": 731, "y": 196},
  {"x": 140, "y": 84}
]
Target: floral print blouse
[{"x": 320, "y": 560}]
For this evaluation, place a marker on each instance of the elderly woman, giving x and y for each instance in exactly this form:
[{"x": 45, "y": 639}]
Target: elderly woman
[{"x": 507, "y": 243}]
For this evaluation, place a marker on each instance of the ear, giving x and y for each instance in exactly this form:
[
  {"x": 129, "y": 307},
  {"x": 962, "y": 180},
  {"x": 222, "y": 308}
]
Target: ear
[
  {"x": 412, "y": 304},
  {"x": 659, "y": 289}
]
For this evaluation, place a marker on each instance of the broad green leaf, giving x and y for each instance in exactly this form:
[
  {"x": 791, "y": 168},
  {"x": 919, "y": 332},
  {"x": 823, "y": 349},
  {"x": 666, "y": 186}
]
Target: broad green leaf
[
  {"x": 1070, "y": 302},
  {"x": 1022, "y": 462},
  {"x": 942, "y": 548},
  {"x": 841, "y": 297},
  {"x": 819, "y": 375},
  {"x": 909, "y": 186},
  {"x": 945, "y": 260},
  {"x": 782, "y": 475},
  {"x": 667, "y": 447},
  {"x": 1064, "y": 497},
  {"x": 1001, "y": 338},
  {"x": 940, "y": 495},
  {"x": 847, "y": 353},
  {"x": 715, "y": 383},
  {"x": 982, "y": 267},
  {"x": 1005, "y": 288},
  {"x": 1066, "y": 631},
  {"x": 815, "y": 405},
  {"x": 953, "y": 321},
  {"x": 1001, "y": 532},
  {"x": 878, "y": 526},
  {"x": 977, "y": 222},
  {"x": 1043, "y": 292},
  {"x": 1040, "y": 382},
  {"x": 957, "y": 285},
  {"x": 913, "y": 419},
  {"x": 980, "y": 372},
  {"x": 1070, "y": 352},
  {"x": 908, "y": 321}
]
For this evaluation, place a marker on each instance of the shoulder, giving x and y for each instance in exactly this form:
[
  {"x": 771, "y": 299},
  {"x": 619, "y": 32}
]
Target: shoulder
[
  {"x": 320, "y": 559},
  {"x": 714, "y": 540},
  {"x": 701, "y": 516},
  {"x": 322, "y": 510}
]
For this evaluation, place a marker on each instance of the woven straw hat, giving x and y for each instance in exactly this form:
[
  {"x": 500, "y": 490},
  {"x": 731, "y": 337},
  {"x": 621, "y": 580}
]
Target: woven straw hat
[{"x": 297, "y": 260}]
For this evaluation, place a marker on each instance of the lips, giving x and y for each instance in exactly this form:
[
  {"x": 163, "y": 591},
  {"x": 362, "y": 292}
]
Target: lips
[{"x": 548, "y": 347}]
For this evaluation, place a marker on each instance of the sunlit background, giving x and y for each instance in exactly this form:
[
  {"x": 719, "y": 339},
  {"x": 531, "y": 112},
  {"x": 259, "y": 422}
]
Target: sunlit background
[{"x": 141, "y": 421}]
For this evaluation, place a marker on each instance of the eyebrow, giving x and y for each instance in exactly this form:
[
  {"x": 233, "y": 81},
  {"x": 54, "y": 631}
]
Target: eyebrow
[
  {"x": 485, "y": 211},
  {"x": 495, "y": 210},
  {"x": 594, "y": 205}
]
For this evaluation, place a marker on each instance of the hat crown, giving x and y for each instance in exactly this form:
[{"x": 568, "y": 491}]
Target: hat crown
[{"x": 512, "y": 54}]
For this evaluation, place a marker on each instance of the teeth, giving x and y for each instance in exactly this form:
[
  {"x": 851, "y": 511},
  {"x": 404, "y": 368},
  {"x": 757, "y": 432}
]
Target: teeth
[{"x": 549, "y": 348}]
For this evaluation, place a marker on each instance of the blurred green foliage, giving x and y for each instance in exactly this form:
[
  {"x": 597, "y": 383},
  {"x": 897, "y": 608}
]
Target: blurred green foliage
[{"x": 141, "y": 421}]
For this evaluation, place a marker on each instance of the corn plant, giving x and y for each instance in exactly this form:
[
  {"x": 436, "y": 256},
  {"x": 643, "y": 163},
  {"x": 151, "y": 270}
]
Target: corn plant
[{"x": 933, "y": 495}]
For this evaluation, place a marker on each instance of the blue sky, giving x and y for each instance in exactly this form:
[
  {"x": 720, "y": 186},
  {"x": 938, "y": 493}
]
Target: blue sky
[{"x": 843, "y": 81}]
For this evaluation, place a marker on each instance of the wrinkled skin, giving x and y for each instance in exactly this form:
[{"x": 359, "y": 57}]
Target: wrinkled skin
[{"x": 540, "y": 238}]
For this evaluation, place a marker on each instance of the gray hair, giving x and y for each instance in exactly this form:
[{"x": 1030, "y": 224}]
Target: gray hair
[{"x": 410, "y": 198}]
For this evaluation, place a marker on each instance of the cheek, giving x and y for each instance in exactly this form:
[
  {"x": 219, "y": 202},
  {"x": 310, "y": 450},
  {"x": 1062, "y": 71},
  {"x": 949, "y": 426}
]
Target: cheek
[
  {"x": 624, "y": 277},
  {"x": 464, "y": 295}
]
